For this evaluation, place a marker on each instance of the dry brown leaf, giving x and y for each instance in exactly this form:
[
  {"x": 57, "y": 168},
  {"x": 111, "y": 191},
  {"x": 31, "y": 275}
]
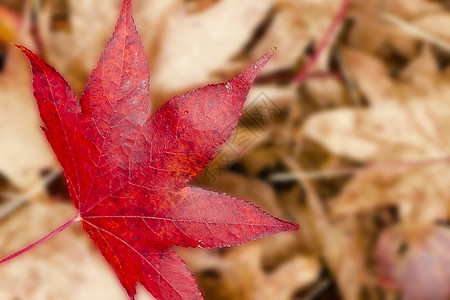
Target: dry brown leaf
[
  {"x": 421, "y": 202},
  {"x": 24, "y": 152},
  {"x": 238, "y": 274},
  {"x": 75, "y": 52},
  {"x": 152, "y": 16},
  {"x": 292, "y": 276},
  {"x": 344, "y": 257},
  {"x": 390, "y": 132},
  {"x": 413, "y": 121},
  {"x": 397, "y": 133},
  {"x": 364, "y": 193},
  {"x": 281, "y": 248},
  {"x": 198, "y": 45},
  {"x": 231, "y": 275},
  {"x": 376, "y": 36},
  {"x": 328, "y": 91},
  {"x": 371, "y": 75}
]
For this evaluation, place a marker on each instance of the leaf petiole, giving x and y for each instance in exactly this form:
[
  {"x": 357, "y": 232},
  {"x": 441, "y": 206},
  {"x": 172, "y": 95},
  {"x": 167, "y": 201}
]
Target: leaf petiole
[
  {"x": 336, "y": 22},
  {"x": 47, "y": 237}
]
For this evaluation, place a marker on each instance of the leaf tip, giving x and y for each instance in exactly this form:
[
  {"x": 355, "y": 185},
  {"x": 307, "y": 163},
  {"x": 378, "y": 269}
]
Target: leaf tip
[
  {"x": 261, "y": 62},
  {"x": 126, "y": 7},
  {"x": 28, "y": 53},
  {"x": 252, "y": 71},
  {"x": 19, "y": 46},
  {"x": 288, "y": 226}
]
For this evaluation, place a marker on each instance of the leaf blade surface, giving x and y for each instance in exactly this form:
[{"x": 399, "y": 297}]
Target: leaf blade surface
[{"x": 128, "y": 171}]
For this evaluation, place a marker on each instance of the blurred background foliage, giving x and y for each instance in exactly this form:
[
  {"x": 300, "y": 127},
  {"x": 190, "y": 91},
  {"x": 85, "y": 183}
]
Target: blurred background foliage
[{"x": 356, "y": 150}]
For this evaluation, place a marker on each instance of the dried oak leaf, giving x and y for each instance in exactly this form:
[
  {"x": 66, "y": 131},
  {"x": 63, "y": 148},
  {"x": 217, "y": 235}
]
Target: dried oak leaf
[
  {"x": 127, "y": 171},
  {"x": 406, "y": 123},
  {"x": 221, "y": 31}
]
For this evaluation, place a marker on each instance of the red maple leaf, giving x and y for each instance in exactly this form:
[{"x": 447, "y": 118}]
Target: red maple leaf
[{"x": 127, "y": 171}]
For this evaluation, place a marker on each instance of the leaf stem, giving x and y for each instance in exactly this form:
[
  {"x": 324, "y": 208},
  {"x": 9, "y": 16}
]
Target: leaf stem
[
  {"x": 337, "y": 20},
  {"x": 47, "y": 237}
]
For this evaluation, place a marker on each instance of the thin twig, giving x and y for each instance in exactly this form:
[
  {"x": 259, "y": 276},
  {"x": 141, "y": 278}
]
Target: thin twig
[
  {"x": 337, "y": 20},
  {"x": 312, "y": 197},
  {"x": 415, "y": 31},
  {"x": 280, "y": 177},
  {"x": 21, "y": 200},
  {"x": 348, "y": 80},
  {"x": 317, "y": 290}
]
